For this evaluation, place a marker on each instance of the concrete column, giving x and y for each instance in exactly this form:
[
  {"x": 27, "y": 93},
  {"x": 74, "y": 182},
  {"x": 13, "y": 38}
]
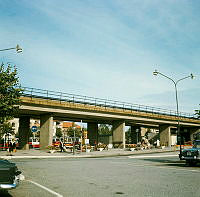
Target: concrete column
[
  {"x": 193, "y": 130},
  {"x": 110, "y": 140},
  {"x": 46, "y": 131},
  {"x": 92, "y": 128},
  {"x": 135, "y": 134},
  {"x": 165, "y": 135},
  {"x": 118, "y": 134},
  {"x": 24, "y": 132}
]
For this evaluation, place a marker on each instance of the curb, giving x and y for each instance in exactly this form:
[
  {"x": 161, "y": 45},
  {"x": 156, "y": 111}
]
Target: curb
[{"x": 80, "y": 156}]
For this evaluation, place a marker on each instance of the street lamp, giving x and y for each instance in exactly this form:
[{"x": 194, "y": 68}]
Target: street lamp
[
  {"x": 176, "y": 92},
  {"x": 17, "y": 48},
  {"x": 74, "y": 140},
  {"x": 81, "y": 136}
]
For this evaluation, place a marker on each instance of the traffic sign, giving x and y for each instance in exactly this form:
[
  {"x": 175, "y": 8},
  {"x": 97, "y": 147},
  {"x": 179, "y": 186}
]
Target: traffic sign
[
  {"x": 86, "y": 141},
  {"x": 34, "y": 129}
]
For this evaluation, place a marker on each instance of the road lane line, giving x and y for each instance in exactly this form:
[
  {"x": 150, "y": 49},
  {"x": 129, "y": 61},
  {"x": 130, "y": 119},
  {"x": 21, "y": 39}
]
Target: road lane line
[
  {"x": 45, "y": 188},
  {"x": 165, "y": 167},
  {"x": 183, "y": 169},
  {"x": 151, "y": 156}
]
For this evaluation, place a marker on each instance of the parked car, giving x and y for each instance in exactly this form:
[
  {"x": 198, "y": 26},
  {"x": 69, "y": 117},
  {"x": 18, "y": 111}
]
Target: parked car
[
  {"x": 9, "y": 175},
  {"x": 192, "y": 155}
]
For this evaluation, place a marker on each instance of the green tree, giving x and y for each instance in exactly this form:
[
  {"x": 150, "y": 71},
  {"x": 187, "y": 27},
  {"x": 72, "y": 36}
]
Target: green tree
[
  {"x": 58, "y": 132},
  {"x": 70, "y": 132},
  {"x": 104, "y": 129},
  {"x": 128, "y": 136},
  {"x": 6, "y": 127},
  {"x": 10, "y": 92}
]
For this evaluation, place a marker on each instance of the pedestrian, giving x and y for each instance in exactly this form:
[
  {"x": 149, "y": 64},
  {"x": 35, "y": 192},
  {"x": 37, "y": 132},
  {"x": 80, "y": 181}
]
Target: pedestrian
[
  {"x": 61, "y": 146},
  {"x": 12, "y": 146}
]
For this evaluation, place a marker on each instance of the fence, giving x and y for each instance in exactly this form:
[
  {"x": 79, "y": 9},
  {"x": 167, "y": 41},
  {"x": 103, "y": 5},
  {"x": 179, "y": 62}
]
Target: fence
[{"x": 106, "y": 103}]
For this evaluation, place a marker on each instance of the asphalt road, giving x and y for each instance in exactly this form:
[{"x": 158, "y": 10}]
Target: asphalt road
[{"x": 154, "y": 175}]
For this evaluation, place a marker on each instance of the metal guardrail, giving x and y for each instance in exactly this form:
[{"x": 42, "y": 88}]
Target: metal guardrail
[{"x": 106, "y": 103}]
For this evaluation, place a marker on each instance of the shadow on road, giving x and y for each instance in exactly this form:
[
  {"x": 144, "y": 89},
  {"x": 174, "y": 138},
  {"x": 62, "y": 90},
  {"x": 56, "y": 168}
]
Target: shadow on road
[
  {"x": 5, "y": 194},
  {"x": 166, "y": 162}
]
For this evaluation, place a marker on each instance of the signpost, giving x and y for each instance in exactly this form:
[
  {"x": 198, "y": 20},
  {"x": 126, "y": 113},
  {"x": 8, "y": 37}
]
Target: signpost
[
  {"x": 34, "y": 129},
  {"x": 86, "y": 143}
]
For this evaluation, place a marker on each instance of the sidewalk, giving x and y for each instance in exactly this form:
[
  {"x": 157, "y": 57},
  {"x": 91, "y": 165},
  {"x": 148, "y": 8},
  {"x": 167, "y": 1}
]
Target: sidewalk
[{"x": 41, "y": 154}]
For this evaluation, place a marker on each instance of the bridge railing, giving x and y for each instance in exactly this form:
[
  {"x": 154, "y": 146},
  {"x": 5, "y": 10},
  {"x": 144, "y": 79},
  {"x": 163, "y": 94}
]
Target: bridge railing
[{"x": 106, "y": 103}]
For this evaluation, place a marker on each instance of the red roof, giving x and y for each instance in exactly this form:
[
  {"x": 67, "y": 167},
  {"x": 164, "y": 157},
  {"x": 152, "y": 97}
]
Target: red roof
[{"x": 69, "y": 124}]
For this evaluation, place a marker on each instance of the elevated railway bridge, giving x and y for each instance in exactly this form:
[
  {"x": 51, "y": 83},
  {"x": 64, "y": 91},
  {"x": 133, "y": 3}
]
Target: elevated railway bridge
[{"x": 51, "y": 105}]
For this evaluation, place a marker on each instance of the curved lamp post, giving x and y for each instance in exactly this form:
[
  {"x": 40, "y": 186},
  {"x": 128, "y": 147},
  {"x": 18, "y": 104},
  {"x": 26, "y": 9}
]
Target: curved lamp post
[
  {"x": 74, "y": 139},
  {"x": 177, "y": 104},
  {"x": 17, "y": 48}
]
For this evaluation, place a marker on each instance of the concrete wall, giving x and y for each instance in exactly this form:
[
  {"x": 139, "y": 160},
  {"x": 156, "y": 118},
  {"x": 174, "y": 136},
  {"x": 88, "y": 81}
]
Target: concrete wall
[
  {"x": 143, "y": 131},
  {"x": 15, "y": 124}
]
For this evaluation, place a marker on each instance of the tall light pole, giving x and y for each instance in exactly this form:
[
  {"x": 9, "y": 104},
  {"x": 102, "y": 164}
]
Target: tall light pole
[
  {"x": 81, "y": 136},
  {"x": 177, "y": 104},
  {"x": 74, "y": 139},
  {"x": 17, "y": 48}
]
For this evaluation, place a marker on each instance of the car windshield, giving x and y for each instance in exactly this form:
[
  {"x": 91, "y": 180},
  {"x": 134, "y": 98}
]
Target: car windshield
[{"x": 197, "y": 144}]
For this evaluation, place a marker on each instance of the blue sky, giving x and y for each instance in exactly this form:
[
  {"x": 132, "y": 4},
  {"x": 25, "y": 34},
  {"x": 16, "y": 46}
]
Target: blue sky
[{"x": 106, "y": 48}]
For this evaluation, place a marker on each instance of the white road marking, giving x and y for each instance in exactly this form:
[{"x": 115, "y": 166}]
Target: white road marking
[
  {"x": 45, "y": 188},
  {"x": 151, "y": 156},
  {"x": 185, "y": 169}
]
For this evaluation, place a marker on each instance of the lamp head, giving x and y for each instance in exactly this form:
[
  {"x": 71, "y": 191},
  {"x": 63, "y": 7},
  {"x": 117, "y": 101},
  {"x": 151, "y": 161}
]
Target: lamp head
[
  {"x": 155, "y": 73},
  {"x": 18, "y": 49},
  {"x": 192, "y": 76}
]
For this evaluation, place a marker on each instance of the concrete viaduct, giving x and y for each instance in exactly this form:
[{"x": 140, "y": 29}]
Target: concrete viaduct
[{"x": 49, "y": 105}]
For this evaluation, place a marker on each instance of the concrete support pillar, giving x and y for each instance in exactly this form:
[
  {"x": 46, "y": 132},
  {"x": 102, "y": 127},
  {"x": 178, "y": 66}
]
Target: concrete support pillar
[
  {"x": 118, "y": 134},
  {"x": 46, "y": 131},
  {"x": 193, "y": 130},
  {"x": 165, "y": 135},
  {"x": 24, "y": 131},
  {"x": 110, "y": 140},
  {"x": 92, "y": 128},
  {"x": 135, "y": 134}
]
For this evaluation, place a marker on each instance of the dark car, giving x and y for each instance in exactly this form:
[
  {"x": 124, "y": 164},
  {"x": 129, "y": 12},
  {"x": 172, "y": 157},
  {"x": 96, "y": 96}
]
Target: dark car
[
  {"x": 9, "y": 175},
  {"x": 192, "y": 156}
]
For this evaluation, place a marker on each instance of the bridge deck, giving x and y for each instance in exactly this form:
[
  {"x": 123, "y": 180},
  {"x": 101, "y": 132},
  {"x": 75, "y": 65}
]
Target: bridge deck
[{"x": 83, "y": 106}]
